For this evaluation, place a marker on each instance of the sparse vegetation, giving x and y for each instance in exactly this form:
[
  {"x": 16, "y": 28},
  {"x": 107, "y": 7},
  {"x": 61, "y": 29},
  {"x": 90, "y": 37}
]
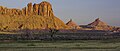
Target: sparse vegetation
[
  {"x": 62, "y": 45},
  {"x": 31, "y": 44}
]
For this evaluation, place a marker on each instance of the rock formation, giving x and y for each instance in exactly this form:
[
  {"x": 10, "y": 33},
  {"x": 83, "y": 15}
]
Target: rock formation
[
  {"x": 116, "y": 29},
  {"x": 30, "y": 8},
  {"x": 6, "y": 11},
  {"x": 41, "y": 16},
  {"x": 99, "y": 25},
  {"x": 45, "y": 9},
  {"x": 36, "y": 16},
  {"x": 72, "y": 25},
  {"x": 98, "y": 22},
  {"x": 42, "y": 9},
  {"x": 35, "y": 9}
]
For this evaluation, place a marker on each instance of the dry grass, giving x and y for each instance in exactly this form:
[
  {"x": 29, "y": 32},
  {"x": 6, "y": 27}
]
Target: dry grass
[
  {"x": 8, "y": 32},
  {"x": 95, "y": 45}
]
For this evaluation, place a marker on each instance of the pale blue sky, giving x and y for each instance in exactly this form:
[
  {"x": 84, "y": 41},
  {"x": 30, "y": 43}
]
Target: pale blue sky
[{"x": 81, "y": 11}]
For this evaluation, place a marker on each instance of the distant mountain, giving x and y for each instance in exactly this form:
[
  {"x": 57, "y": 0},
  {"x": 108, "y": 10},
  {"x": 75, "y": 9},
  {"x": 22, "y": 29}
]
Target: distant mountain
[
  {"x": 100, "y": 25},
  {"x": 98, "y": 22}
]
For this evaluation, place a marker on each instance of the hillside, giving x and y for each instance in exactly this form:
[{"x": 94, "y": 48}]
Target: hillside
[
  {"x": 41, "y": 16},
  {"x": 30, "y": 22},
  {"x": 34, "y": 16},
  {"x": 100, "y": 25},
  {"x": 72, "y": 24}
]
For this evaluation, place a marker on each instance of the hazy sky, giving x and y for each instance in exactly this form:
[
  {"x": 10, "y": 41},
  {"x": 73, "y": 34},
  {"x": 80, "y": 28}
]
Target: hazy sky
[{"x": 81, "y": 11}]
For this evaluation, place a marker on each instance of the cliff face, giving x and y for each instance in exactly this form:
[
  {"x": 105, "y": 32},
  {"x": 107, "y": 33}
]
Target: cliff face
[
  {"x": 36, "y": 16},
  {"x": 6, "y": 11},
  {"x": 42, "y": 9}
]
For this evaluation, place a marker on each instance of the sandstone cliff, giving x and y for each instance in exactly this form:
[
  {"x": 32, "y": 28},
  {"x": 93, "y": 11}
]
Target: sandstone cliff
[
  {"x": 30, "y": 22},
  {"x": 43, "y": 9},
  {"x": 36, "y": 16}
]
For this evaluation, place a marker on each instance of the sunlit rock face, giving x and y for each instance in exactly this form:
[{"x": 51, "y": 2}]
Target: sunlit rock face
[
  {"x": 29, "y": 8},
  {"x": 6, "y": 11},
  {"x": 98, "y": 22},
  {"x": 33, "y": 16},
  {"x": 100, "y": 25},
  {"x": 72, "y": 25},
  {"x": 35, "y": 9},
  {"x": 43, "y": 9}
]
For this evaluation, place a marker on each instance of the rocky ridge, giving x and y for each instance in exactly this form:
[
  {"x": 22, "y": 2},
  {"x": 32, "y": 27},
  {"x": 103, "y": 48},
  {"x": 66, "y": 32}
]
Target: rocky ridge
[
  {"x": 42, "y": 9},
  {"x": 100, "y": 25},
  {"x": 41, "y": 16},
  {"x": 72, "y": 24},
  {"x": 36, "y": 16}
]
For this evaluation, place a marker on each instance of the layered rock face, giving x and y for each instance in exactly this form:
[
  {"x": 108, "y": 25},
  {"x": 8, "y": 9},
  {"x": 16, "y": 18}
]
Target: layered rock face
[
  {"x": 42, "y": 9},
  {"x": 72, "y": 25},
  {"x": 99, "y": 25},
  {"x": 45, "y": 9},
  {"x": 6, "y": 11},
  {"x": 36, "y": 16}
]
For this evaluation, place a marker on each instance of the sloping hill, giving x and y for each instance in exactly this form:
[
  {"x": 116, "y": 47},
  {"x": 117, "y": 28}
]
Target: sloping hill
[
  {"x": 100, "y": 25},
  {"x": 34, "y": 16},
  {"x": 30, "y": 22}
]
